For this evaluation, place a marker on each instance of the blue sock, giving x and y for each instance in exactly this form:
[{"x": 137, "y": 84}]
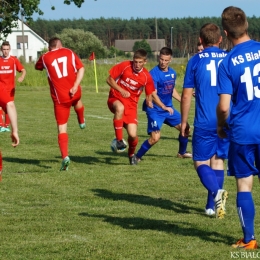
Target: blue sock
[
  {"x": 246, "y": 213},
  {"x": 183, "y": 142},
  {"x": 143, "y": 149},
  {"x": 220, "y": 179},
  {"x": 208, "y": 179}
]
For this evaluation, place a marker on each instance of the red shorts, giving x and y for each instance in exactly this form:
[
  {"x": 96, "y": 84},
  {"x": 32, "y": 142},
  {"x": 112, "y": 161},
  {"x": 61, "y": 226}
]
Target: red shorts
[
  {"x": 130, "y": 112},
  {"x": 5, "y": 97},
  {"x": 62, "y": 111}
]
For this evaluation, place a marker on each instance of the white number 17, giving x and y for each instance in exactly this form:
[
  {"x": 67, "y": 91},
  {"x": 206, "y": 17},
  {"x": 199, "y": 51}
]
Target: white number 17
[{"x": 64, "y": 72}]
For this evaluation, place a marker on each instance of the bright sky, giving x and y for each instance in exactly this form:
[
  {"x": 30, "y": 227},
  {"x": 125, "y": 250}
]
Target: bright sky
[{"x": 127, "y": 9}]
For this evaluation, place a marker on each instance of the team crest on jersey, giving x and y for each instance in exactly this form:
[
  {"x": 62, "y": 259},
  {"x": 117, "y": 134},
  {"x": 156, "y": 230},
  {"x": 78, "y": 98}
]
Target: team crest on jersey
[{"x": 172, "y": 76}]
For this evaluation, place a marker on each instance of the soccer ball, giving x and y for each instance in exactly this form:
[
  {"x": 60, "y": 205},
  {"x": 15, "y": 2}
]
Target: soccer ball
[{"x": 114, "y": 148}]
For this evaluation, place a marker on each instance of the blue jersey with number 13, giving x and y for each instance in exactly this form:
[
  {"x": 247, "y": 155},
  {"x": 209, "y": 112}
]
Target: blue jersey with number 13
[{"x": 239, "y": 76}]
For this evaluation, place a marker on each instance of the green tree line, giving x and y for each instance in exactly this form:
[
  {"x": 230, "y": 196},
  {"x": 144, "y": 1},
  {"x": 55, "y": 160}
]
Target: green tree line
[{"x": 184, "y": 36}]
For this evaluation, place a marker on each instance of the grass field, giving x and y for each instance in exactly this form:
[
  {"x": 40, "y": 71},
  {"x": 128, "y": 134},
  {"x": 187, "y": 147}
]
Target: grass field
[{"x": 103, "y": 208}]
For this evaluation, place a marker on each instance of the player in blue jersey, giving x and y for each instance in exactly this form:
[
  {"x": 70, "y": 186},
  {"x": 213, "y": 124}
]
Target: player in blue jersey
[
  {"x": 239, "y": 81},
  {"x": 164, "y": 78},
  {"x": 209, "y": 151}
]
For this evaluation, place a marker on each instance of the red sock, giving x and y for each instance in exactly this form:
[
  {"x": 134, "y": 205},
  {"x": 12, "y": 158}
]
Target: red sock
[
  {"x": 7, "y": 120},
  {"x": 132, "y": 146},
  {"x": 118, "y": 126},
  {"x": 2, "y": 118},
  {"x": 80, "y": 114},
  {"x": 63, "y": 140}
]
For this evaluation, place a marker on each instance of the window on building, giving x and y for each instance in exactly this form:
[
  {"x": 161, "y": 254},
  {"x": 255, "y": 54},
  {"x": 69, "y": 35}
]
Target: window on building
[{"x": 19, "y": 40}]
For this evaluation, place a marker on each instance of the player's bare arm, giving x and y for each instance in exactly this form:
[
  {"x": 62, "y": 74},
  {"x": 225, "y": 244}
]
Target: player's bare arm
[
  {"x": 21, "y": 78},
  {"x": 112, "y": 83},
  {"x": 158, "y": 102},
  {"x": 223, "y": 113},
  {"x": 185, "y": 108},
  {"x": 176, "y": 95},
  {"x": 80, "y": 74}
]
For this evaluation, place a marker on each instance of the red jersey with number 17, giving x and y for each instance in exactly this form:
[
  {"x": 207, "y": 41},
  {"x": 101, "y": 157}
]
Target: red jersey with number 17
[
  {"x": 61, "y": 66},
  {"x": 134, "y": 82}
]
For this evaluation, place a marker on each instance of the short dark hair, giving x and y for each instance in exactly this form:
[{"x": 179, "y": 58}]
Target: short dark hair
[
  {"x": 140, "y": 54},
  {"x": 5, "y": 43},
  {"x": 53, "y": 42},
  {"x": 234, "y": 21},
  {"x": 210, "y": 34},
  {"x": 166, "y": 51}
]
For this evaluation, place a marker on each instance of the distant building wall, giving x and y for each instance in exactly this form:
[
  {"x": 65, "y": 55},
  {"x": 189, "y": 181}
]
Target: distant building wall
[{"x": 34, "y": 44}]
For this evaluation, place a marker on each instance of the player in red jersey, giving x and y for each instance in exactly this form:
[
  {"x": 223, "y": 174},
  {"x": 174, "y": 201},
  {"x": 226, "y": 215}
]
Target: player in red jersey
[
  {"x": 65, "y": 72},
  {"x": 9, "y": 65},
  {"x": 127, "y": 81}
]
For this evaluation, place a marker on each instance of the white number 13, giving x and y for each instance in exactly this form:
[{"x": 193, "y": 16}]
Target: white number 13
[{"x": 64, "y": 72}]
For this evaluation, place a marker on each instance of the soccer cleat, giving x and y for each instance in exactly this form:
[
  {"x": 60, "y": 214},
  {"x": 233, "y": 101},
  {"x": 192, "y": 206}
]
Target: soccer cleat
[
  {"x": 7, "y": 129},
  {"x": 120, "y": 145},
  {"x": 82, "y": 126},
  {"x": 250, "y": 245},
  {"x": 185, "y": 155},
  {"x": 133, "y": 160},
  {"x": 209, "y": 212},
  {"x": 220, "y": 202},
  {"x": 4, "y": 129},
  {"x": 65, "y": 164}
]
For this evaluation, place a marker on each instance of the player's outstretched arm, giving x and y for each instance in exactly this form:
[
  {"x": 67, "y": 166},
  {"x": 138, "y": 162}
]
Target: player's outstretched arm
[
  {"x": 176, "y": 95},
  {"x": 80, "y": 74},
  {"x": 112, "y": 83},
  {"x": 21, "y": 78},
  {"x": 11, "y": 111},
  {"x": 223, "y": 113},
  {"x": 185, "y": 108}
]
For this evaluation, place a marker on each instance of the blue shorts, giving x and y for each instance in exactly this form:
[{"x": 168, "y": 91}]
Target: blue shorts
[
  {"x": 206, "y": 143},
  {"x": 244, "y": 160},
  {"x": 157, "y": 118}
]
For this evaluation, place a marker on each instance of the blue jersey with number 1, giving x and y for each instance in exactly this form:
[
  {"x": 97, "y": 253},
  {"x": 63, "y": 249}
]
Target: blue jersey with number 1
[
  {"x": 201, "y": 74},
  {"x": 239, "y": 76}
]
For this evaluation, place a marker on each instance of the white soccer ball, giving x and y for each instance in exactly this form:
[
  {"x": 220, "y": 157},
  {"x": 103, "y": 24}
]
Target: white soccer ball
[{"x": 114, "y": 148}]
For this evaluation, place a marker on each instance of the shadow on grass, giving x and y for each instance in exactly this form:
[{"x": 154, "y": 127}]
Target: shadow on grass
[
  {"x": 95, "y": 160},
  {"x": 179, "y": 228},
  {"x": 30, "y": 161},
  {"x": 148, "y": 201}
]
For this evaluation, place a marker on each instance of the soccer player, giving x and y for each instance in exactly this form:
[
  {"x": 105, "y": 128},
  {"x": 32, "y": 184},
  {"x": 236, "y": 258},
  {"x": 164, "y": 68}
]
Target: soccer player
[
  {"x": 239, "y": 82},
  {"x": 127, "y": 81},
  {"x": 65, "y": 72},
  {"x": 209, "y": 151},
  {"x": 9, "y": 65},
  {"x": 164, "y": 79},
  {"x": 8, "y": 106}
]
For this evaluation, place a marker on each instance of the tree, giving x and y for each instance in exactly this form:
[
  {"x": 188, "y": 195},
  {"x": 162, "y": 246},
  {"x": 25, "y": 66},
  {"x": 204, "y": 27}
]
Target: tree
[
  {"x": 82, "y": 42},
  {"x": 10, "y": 11},
  {"x": 143, "y": 45}
]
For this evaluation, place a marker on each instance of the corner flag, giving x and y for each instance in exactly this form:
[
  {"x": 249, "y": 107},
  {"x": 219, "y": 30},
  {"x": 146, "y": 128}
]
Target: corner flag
[{"x": 92, "y": 57}]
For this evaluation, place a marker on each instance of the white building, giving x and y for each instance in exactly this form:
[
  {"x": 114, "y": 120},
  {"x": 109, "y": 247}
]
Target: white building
[{"x": 34, "y": 44}]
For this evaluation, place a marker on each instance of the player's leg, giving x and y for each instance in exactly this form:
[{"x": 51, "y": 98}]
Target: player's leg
[
  {"x": 174, "y": 120},
  {"x": 79, "y": 109},
  {"x": 154, "y": 124},
  {"x": 204, "y": 147},
  {"x": 132, "y": 142},
  {"x": 2, "y": 123},
  {"x": 11, "y": 110},
  {"x": 246, "y": 158},
  {"x": 62, "y": 112},
  {"x": 117, "y": 108}
]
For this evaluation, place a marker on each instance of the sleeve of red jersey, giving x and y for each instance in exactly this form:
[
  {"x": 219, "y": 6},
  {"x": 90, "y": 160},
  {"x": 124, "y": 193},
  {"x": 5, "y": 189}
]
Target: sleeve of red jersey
[
  {"x": 19, "y": 66},
  {"x": 117, "y": 70},
  {"x": 149, "y": 88},
  {"x": 39, "y": 64},
  {"x": 78, "y": 62}
]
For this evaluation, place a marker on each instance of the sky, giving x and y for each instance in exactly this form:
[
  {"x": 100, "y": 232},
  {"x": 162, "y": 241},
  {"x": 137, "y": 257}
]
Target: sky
[{"x": 127, "y": 9}]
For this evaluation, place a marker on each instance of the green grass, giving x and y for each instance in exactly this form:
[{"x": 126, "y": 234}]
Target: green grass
[{"x": 103, "y": 208}]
